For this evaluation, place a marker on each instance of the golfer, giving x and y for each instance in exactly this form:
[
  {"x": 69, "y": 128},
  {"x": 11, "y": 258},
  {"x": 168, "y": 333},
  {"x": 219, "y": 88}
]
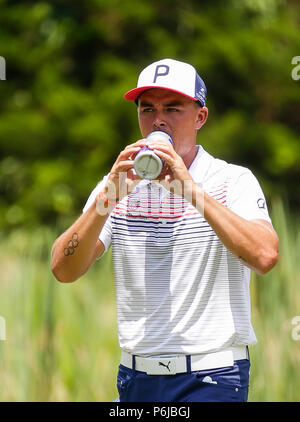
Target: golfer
[{"x": 183, "y": 246}]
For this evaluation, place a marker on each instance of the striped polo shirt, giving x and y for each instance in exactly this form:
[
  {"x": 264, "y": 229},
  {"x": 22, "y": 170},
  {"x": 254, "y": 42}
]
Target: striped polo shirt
[{"x": 178, "y": 288}]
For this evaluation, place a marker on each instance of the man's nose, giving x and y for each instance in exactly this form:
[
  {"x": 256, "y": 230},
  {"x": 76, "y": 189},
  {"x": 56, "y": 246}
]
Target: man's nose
[{"x": 159, "y": 121}]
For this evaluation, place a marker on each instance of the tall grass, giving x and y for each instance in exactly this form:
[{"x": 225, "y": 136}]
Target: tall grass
[
  {"x": 275, "y": 301},
  {"x": 61, "y": 339}
]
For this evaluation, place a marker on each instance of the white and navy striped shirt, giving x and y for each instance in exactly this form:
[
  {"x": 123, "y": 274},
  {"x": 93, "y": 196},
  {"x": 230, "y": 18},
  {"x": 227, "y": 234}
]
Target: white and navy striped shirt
[{"x": 178, "y": 288}]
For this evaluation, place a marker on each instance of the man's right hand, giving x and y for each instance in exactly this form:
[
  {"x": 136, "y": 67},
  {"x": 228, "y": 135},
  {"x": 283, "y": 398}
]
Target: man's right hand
[
  {"x": 77, "y": 248},
  {"x": 122, "y": 177}
]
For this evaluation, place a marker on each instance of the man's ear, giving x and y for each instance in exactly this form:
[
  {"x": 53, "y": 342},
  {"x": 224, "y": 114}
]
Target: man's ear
[{"x": 201, "y": 117}]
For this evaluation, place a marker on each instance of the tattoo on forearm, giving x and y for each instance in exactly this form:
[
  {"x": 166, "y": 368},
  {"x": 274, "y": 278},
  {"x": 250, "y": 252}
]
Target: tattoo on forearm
[{"x": 72, "y": 245}]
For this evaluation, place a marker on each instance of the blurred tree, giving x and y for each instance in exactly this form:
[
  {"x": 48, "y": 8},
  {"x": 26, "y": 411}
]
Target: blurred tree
[{"x": 63, "y": 119}]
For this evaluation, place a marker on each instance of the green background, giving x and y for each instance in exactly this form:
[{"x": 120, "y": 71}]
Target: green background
[{"x": 63, "y": 121}]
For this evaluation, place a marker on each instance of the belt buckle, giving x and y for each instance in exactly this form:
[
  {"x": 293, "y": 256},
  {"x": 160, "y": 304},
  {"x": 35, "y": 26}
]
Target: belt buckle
[{"x": 164, "y": 366}]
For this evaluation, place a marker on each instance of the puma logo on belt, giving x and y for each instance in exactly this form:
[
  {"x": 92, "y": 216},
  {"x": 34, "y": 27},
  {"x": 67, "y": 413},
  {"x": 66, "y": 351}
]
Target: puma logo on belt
[{"x": 166, "y": 366}]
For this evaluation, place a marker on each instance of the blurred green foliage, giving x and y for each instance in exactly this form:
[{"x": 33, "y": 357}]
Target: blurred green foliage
[{"x": 63, "y": 118}]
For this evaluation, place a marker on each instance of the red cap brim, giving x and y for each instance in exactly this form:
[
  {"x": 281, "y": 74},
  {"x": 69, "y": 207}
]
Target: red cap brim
[{"x": 133, "y": 94}]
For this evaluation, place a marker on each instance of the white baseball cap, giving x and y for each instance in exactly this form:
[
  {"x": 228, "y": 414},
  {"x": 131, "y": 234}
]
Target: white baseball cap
[{"x": 172, "y": 75}]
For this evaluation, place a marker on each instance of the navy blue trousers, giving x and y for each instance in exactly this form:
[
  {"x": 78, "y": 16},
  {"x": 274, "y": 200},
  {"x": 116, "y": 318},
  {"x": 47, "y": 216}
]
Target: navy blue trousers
[{"x": 228, "y": 384}]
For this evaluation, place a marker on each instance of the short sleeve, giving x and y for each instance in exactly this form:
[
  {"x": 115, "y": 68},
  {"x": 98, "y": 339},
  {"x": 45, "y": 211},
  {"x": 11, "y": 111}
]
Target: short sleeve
[
  {"x": 246, "y": 198},
  {"x": 105, "y": 234}
]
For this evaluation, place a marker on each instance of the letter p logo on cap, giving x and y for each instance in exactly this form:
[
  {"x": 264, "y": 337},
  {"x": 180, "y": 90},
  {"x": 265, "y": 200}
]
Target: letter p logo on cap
[{"x": 164, "y": 66}]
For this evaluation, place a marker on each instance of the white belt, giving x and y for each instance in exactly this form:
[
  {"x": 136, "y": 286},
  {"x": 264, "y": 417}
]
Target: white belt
[{"x": 178, "y": 364}]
